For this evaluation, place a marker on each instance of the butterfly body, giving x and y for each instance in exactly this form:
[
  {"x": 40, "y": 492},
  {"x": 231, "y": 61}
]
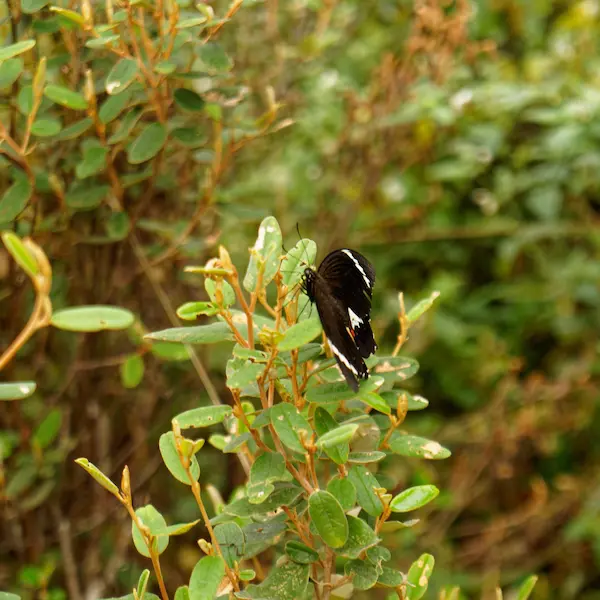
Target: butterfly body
[{"x": 342, "y": 289}]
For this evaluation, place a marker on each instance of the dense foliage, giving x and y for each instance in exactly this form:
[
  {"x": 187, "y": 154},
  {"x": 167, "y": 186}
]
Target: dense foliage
[{"x": 454, "y": 143}]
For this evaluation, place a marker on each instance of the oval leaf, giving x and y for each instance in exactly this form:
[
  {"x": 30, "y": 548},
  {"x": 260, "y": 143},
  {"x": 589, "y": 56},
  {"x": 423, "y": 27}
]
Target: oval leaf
[
  {"x": 206, "y": 578},
  {"x": 168, "y": 451},
  {"x": 92, "y": 318},
  {"x": 65, "y": 97},
  {"x": 121, "y": 76},
  {"x": 98, "y": 475},
  {"x": 365, "y": 483},
  {"x": 414, "y": 498},
  {"x": 302, "y": 255},
  {"x": 17, "y": 391},
  {"x": 16, "y": 49},
  {"x": 202, "y": 417},
  {"x": 150, "y": 517},
  {"x": 339, "y": 435},
  {"x": 264, "y": 256},
  {"x": 16, "y": 197},
  {"x": 148, "y": 144},
  {"x": 290, "y": 426},
  {"x": 201, "y": 334},
  {"x": 418, "y": 577},
  {"x": 300, "y": 333},
  {"x": 418, "y": 447},
  {"x": 328, "y": 518}
]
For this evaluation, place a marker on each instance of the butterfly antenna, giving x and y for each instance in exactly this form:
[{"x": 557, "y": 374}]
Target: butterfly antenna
[{"x": 301, "y": 239}]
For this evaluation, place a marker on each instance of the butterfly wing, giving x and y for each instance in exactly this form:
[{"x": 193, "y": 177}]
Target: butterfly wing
[
  {"x": 338, "y": 330},
  {"x": 351, "y": 277}
]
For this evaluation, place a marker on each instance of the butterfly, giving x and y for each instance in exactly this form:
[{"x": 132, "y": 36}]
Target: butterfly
[{"x": 342, "y": 288}]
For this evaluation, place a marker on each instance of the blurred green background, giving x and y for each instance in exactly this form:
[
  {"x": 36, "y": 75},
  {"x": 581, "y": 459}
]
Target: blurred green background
[{"x": 456, "y": 145}]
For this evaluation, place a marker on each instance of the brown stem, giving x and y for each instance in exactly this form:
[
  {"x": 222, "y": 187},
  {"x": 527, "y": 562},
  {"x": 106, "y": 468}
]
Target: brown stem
[{"x": 40, "y": 317}]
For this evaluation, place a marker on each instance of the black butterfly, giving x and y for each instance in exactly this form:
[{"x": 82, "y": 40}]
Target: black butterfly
[{"x": 342, "y": 288}]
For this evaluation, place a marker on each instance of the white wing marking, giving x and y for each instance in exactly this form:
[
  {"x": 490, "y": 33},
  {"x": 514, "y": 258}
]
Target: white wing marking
[
  {"x": 358, "y": 266},
  {"x": 355, "y": 320},
  {"x": 342, "y": 357}
]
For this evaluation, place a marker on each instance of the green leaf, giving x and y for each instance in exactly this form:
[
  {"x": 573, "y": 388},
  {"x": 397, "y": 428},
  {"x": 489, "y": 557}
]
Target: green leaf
[
  {"x": 284, "y": 495},
  {"x": 213, "y": 59},
  {"x": 202, "y": 417},
  {"x": 290, "y": 425},
  {"x": 188, "y": 100},
  {"x": 121, "y": 76},
  {"x": 325, "y": 423},
  {"x": 413, "y": 402},
  {"x": 21, "y": 255},
  {"x": 9, "y": 71},
  {"x": 143, "y": 583},
  {"x": 165, "y": 67},
  {"x": 69, "y": 15},
  {"x": 190, "y": 311},
  {"x": 413, "y": 498},
  {"x": 118, "y": 225},
  {"x": 9, "y": 596},
  {"x": 364, "y": 458},
  {"x": 360, "y": 537},
  {"x": 75, "y": 130},
  {"x": 16, "y": 49},
  {"x": 391, "y": 578},
  {"x": 200, "y": 334},
  {"x": 191, "y": 22},
  {"x": 65, "y": 97},
  {"x": 182, "y": 593},
  {"x": 153, "y": 520},
  {"x": 374, "y": 401},
  {"x": 394, "y": 368},
  {"x": 86, "y": 197},
  {"x": 264, "y": 255},
  {"x": 340, "y": 435},
  {"x": 102, "y": 41},
  {"x": 287, "y": 581},
  {"x": 17, "y": 391},
  {"x": 231, "y": 540},
  {"x": 421, "y": 307},
  {"x": 177, "y": 529},
  {"x": 300, "y": 333},
  {"x": 128, "y": 122},
  {"x": 47, "y": 431},
  {"x": 21, "y": 481},
  {"x": 328, "y": 517},
  {"x": 365, "y": 483},
  {"x": 98, "y": 475},
  {"x": 113, "y": 106},
  {"x": 301, "y": 553},
  {"x": 46, "y": 127},
  {"x": 211, "y": 287},
  {"x": 364, "y": 574},
  {"x": 148, "y": 143},
  {"x": 16, "y": 197},
  {"x": 344, "y": 491},
  {"x": 527, "y": 587},
  {"x": 418, "y": 577},
  {"x": 340, "y": 391},
  {"x": 132, "y": 371},
  {"x": 301, "y": 256},
  {"x": 206, "y": 578},
  {"x": 262, "y": 535},
  {"x": 94, "y": 162},
  {"x": 92, "y": 318},
  {"x": 418, "y": 447},
  {"x": 268, "y": 467},
  {"x": 30, "y": 7},
  {"x": 245, "y": 375}
]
